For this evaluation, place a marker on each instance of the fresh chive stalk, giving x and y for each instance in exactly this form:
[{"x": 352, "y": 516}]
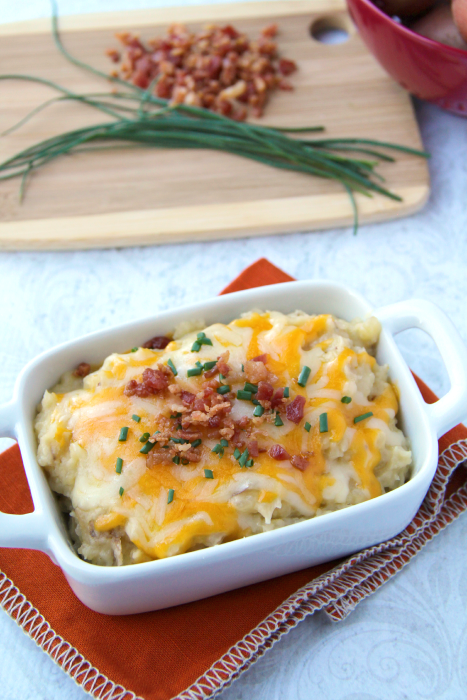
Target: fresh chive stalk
[
  {"x": 357, "y": 419},
  {"x": 307, "y": 427},
  {"x": 286, "y": 393},
  {"x": 123, "y": 434},
  {"x": 170, "y": 496},
  {"x": 323, "y": 423},
  {"x": 145, "y": 437},
  {"x": 244, "y": 395},
  {"x": 172, "y": 367},
  {"x": 194, "y": 372},
  {"x": 303, "y": 377},
  {"x": 237, "y": 454},
  {"x": 259, "y": 410},
  {"x": 250, "y": 387},
  {"x": 119, "y": 465},
  {"x": 136, "y": 418},
  {"x": 224, "y": 389},
  {"x": 196, "y": 443},
  {"x": 346, "y": 399},
  {"x": 121, "y": 491},
  {"x": 147, "y": 448},
  {"x": 243, "y": 458},
  {"x": 208, "y": 474},
  {"x": 278, "y": 422}
]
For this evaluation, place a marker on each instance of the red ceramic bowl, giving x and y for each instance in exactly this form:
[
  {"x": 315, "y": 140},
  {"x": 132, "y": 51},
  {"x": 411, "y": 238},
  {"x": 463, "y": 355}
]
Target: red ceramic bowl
[{"x": 428, "y": 69}]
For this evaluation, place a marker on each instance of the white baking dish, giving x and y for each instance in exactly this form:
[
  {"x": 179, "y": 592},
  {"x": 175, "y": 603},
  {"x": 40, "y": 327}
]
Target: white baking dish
[{"x": 187, "y": 577}]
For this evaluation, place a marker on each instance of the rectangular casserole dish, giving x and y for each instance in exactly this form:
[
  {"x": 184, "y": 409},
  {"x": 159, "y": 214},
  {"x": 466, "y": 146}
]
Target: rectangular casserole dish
[{"x": 198, "y": 574}]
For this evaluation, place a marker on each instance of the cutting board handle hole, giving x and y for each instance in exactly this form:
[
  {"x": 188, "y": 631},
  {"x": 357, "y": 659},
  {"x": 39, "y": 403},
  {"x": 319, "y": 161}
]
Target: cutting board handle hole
[{"x": 330, "y": 30}]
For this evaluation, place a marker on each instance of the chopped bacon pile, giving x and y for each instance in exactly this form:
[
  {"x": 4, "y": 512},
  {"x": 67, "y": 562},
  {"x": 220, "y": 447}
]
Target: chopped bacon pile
[
  {"x": 219, "y": 68},
  {"x": 82, "y": 370},
  {"x": 206, "y": 414}
]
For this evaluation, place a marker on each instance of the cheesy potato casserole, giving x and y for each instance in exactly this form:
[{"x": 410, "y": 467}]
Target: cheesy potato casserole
[{"x": 220, "y": 433}]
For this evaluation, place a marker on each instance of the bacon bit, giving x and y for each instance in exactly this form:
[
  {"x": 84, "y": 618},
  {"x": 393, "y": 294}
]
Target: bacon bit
[
  {"x": 216, "y": 68},
  {"x": 294, "y": 410},
  {"x": 261, "y": 358},
  {"x": 265, "y": 391},
  {"x": 192, "y": 455},
  {"x": 159, "y": 342},
  {"x": 222, "y": 365},
  {"x": 215, "y": 421},
  {"x": 253, "y": 449},
  {"x": 82, "y": 370},
  {"x": 175, "y": 389},
  {"x": 287, "y": 67},
  {"x": 243, "y": 422},
  {"x": 187, "y": 397},
  {"x": 189, "y": 434},
  {"x": 225, "y": 432},
  {"x": 199, "y": 417},
  {"x": 279, "y": 453},
  {"x": 154, "y": 381},
  {"x": 300, "y": 462},
  {"x": 256, "y": 372},
  {"x": 113, "y": 55},
  {"x": 277, "y": 399}
]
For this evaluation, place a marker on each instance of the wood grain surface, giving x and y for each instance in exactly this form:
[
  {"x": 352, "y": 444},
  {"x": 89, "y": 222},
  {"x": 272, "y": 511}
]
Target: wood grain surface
[{"x": 134, "y": 196}]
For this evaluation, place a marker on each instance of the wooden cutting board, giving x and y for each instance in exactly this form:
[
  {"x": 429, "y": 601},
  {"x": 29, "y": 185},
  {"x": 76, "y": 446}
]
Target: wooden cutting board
[{"x": 135, "y": 196}]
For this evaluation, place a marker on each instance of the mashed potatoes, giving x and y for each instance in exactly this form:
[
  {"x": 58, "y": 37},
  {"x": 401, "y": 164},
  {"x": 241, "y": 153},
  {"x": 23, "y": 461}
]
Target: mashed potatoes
[{"x": 220, "y": 434}]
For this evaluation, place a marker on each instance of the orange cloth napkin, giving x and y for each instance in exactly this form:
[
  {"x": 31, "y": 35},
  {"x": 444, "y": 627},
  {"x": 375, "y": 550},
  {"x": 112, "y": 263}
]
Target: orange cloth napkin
[{"x": 193, "y": 650}]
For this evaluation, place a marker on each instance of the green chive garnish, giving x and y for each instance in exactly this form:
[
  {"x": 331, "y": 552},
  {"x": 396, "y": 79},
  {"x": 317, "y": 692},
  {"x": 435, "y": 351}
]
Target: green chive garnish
[
  {"x": 170, "y": 496},
  {"x": 119, "y": 465},
  {"x": 179, "y": 441},
  {"x": 217, "y": 448},
  {"x": 175, "y": 415},
  {"x": 237, "y": 454},
  {"x": 209, "y": 365},
  {"x": 123, "y": 435},
  {"x": 147, "y": 448},
  {"x": 323, "y": 423},
  {"x": 307, "y": 427},
  {"x": 221, "y": 377},
  {"x": 243, "y": 368},
  {"x": 134, "y": 349},
  {"x": 194, "y": 372},
  {"x": 208, "y": 474},
  {"x": 224, "y": 389},
  {"x": 278, "y": 422},
  {"x": 172, "y": 367},
  {"x": 178, "y": 427},
  {"x": 196, "y": 347},
  {"x": 304, "y": 374},
  {"x": 204, "y": 341},
  {"x": 224, "y": 442},
  {"x": 145, "y": 437},
  {"x": 201, "y": 335},
  {"x": 249, "y": 463},
  {"x": 259, "y": 410},
  {"x": 357, "y": 419},
  {"x": 346, "y": 399},
  {"x": 136, "y": 418},
  {"x": 196, "y": 443},
  {"x": 121, "y": 491},
  {"x": 286, "y": 392},
  {"x": 250, "y": 387},
  {"x": 243, "y": 458},
  {"x": 176, "y": 459},
  {"x": 244, "y": 395}
]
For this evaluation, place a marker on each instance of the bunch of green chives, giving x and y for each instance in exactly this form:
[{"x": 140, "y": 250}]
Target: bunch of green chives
[{"x": 139, "y": 117}]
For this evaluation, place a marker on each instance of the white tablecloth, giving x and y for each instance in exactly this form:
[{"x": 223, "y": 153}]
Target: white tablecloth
[{"x": 409, "y": 640}]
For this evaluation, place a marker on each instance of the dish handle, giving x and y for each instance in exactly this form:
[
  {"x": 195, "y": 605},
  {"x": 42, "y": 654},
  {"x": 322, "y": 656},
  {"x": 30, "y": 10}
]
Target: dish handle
[
  {"x": 445, "y": 413},
  {"x": 20, "y": 531}
]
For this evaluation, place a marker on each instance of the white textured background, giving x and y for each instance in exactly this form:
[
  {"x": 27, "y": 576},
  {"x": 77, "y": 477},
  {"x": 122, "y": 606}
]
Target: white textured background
[{"x": 407, "y": 641}]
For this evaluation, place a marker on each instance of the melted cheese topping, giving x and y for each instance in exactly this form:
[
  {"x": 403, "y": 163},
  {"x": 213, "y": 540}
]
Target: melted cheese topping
[{"x": 78, "y": 432}]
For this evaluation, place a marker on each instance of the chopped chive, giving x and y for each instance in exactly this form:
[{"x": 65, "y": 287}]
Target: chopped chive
[
  {"x": 346, "y": 399},
  {"x": 357, "y": 419},
  {"x": 172, "y": 367},
  {"x": 224, "y": 443},
  {"x": 243, "y": 458},
  {"x": 243, "y": 368},
  {"x": 185, "y": 461},
  {"x": 221, "y": 377},
  {"x": 249, "y": 463},
  {"x": 278, "y": 422},
  {"x": 136, "y": 418},
  {"x": 144, "y": 437},
  {"x": 259, "y": 410},
  {"x": 179, "y": 441},
  {"x": 134, "y": 349},
  {"x": 170, "y": 496},
  {"x": 123, "y": 434},
  {"x": 255, "y": 402},
  {"x": 224, "y": 389},
  {"x": 286, "y": 393},
  {"x": 199, "y": 364},
  {"x": 178, "y": 427},
  {"x": 217, "y": 448},
  {"x": 194, "y": 372},
  {"x": 208, "y": 474},
  {"x": 304, "y": 374},
  {"x": 323, "y": 423},
  {"x": 196, "y": 347},
  {"x": 175, "y": 415},
  {"x": 121, "y": 491},
  {"x": 176, "y": 459},
  {"x": 201, "y": 335},
  {"x": 204, "y": 341},
  {"x": 250, "y": 387},
  {"x": 147, "y": 448},
  {"x": 244, "y": 395},
  {"x": 307, "y": 427},
  {"x": 209, "y": 365},
  {"x": 237, "y": 454},
  {"x": 196, "y": 443},
  {"x": 119, "y": 465}
]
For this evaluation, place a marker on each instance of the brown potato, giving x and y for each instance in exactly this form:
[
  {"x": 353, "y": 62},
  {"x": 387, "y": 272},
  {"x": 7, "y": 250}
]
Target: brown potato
[
  {"x": 439, "y": 25},
  {"x": 405, "y": 9},
  {"x": 459, "y": 10}
]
